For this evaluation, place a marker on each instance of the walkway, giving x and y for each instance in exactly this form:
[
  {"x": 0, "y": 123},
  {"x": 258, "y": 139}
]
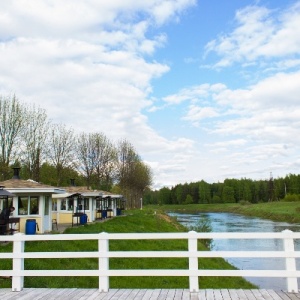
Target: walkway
[{"x": 136, "y": 294}]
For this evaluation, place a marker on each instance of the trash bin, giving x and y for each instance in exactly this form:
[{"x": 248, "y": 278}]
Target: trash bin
[
  {"x": 83, "y": 219},
  {"x": 30, "y": 226},
  {"x": 104, "y": 214},
  {"x": 119, "y": 212}
]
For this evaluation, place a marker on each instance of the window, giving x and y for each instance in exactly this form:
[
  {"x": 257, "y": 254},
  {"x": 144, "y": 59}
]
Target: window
[
  {"x": 54, "y": 205},
  {"x": 28, "y": 205},
  {"x": 66, "y": 204},
  {"x": 63, "y": 204},
  {"x": 86, "y": 203},
  {"x": 83, "y": 204},
  {"x": 3, "y": 203}
]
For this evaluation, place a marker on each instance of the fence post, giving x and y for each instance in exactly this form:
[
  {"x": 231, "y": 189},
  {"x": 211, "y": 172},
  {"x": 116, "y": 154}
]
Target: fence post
[
  {"x": 290, "y": 262},
  {"x": 18, "y": 264},
  {"x": 193, "y": 261},
  {"x": 103, "y": 247}
]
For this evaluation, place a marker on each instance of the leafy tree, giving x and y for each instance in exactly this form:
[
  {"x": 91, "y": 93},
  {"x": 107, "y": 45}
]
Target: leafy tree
[
  {"x": 228, "y": 194},
  {"x": 164, "y": 196},
  {"x": 204, "y": 192},
  {"x": 188, "y": 199}
]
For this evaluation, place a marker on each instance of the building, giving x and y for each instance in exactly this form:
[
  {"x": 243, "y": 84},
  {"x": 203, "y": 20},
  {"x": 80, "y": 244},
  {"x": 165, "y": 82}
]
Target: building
[{"x": 32, "y": 200}]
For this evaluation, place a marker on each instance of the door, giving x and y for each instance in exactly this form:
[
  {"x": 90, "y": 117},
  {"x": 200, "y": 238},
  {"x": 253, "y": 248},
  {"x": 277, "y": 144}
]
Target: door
[{"x": 46, "y": 216}]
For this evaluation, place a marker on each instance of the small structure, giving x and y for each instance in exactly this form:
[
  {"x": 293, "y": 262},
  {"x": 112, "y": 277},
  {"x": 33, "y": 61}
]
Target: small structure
[
  {"x": 32, "y": 200},
  {"x": 79, "y": 200}
]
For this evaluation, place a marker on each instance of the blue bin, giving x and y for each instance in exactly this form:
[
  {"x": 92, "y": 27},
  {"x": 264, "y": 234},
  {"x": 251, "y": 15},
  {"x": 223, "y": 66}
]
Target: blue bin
[
  {"x": 30, "y": 227},
  {"x": 104, "y": 214},
  {"x": 119, "y": 212},
  {"x": 83, "y": 219}
]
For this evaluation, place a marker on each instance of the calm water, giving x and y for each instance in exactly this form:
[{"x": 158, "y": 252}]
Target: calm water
[{"x": 227, "y": 222}]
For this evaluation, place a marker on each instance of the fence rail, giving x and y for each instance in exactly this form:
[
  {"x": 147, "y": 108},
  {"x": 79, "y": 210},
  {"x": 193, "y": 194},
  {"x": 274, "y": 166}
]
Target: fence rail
[{"x": 103, "y": 254}]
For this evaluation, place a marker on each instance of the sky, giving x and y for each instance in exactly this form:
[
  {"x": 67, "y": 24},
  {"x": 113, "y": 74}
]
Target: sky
[{"x": 203, "y": 90}]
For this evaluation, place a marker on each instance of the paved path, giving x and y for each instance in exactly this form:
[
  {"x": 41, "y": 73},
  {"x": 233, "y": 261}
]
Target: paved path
[{"x": 137, "y": 294}]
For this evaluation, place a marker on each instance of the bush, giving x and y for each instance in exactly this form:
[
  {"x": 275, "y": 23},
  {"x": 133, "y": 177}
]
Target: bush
[
  {"x": 291, "y": 198},
  {"x": 244, "y": 202}
]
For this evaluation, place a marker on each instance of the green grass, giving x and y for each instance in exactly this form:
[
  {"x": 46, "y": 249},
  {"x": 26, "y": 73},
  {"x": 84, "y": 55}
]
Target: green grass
[
  {"x": 276, "y": 211},
  {"x": 134, "y": 221}
]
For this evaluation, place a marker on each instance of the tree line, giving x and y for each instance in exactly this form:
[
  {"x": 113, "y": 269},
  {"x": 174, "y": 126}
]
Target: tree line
[
  {"x": 53, "y": 153},
  {"x": 229, "y": 191}
]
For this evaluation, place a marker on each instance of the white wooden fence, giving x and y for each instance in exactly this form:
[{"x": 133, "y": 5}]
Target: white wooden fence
[{"x": 103, "y": 254}]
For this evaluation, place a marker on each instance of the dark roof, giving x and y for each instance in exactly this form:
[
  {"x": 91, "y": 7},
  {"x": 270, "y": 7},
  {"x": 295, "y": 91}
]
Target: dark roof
[{"x": 5, "y": 193}]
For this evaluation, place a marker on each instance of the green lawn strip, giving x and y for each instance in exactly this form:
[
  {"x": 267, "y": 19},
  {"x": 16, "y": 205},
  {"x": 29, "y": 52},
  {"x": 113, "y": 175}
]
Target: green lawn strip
[
  {"x": 277, "y": 211},
  {"x": 134, "y": 221}
]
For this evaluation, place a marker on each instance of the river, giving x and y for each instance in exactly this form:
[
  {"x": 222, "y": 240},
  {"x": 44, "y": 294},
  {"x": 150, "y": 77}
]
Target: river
[{"x": 228, "y": 222}]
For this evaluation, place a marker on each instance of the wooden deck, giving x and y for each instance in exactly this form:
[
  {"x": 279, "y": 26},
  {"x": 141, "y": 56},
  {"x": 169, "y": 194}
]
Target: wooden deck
[{"x": 137, "y": 294}]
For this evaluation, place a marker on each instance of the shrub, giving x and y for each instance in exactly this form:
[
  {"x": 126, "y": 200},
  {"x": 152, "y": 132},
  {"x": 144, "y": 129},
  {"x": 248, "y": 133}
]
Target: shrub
[{"x": 291, "y": 198}]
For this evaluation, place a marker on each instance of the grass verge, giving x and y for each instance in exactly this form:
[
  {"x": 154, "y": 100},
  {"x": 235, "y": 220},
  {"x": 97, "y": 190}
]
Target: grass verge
[
  {"x": 133, "y": 221},
  {"x": 276, "y": 211}
]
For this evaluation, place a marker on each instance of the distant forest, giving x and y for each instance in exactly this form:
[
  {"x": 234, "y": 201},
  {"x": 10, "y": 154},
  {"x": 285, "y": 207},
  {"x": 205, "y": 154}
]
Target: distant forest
[{"x": 230, "y": 191}]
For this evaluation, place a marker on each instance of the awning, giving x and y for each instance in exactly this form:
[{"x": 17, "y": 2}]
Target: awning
[{"x": 65, "y": 195}]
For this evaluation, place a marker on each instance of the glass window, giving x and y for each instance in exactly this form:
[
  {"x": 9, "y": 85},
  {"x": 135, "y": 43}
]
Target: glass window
[
  {"x": 23, "y": 206},
  {"x": 63, "y": 204},
  {"x": 34, "y": 205},
  {"x": 46, "y": 208},
  {"x": 86, "y": 204},
  {"x": 70, "y": 204},
  {"x": 54, "y": 204},
  {"x": 28, "y": 205}
]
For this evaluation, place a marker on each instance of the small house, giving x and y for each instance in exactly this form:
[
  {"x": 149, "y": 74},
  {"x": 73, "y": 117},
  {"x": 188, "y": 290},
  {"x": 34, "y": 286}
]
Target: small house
[{"x": 32, "y": 200}]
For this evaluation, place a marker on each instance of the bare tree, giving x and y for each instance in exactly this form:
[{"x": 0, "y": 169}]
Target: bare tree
[
  {"x": 105, "y": 158},
  {"x": 11, "y": 122},
  {"x": 86, "y": 156},
  {"x": 141, "y": 181},
  {"x": 34, "y": 134},
  {"x": 127, "y": 160},
  {"x": 61, "y": 149}
]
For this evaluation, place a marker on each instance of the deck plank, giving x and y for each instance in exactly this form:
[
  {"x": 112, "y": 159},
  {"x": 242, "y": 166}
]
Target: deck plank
[
  {"x": 139, "y": 295},
  {"x": 143, "y": 294}
]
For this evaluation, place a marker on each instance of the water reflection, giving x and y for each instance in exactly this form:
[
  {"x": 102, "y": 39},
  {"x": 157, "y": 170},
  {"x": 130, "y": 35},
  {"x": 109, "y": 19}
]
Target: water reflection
[{"x": 228, "y": 222}]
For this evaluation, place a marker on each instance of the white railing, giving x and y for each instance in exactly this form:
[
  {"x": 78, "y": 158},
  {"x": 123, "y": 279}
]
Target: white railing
[{"x": 103, "y": 254}]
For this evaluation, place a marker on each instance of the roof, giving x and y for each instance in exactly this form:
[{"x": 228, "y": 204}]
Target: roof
[
  {"x": 5, "y": 193},
  {"x": 65, "y": 195},
  {"x": 86, "y": 192},
  {"x": 19, "y": 185}
]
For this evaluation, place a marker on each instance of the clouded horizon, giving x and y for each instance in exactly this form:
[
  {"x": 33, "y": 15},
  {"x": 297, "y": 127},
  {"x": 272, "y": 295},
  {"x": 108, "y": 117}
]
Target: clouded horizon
[{"x": 202, "y": 90}]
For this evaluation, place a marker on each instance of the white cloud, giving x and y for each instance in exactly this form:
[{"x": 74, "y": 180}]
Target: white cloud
[
  {"x": 260, "y": 33},
  {"x": 88, "y": 63}
]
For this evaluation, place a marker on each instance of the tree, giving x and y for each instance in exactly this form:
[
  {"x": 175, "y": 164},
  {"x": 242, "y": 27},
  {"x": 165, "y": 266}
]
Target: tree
[
  {"x": 11, "y": 124},
  {"x": 61, "y": 149},
  {"x": 133, "y": 176},
  {"x": 86, "y": 156},
  {"x": 228, "y": 194},
  {"x": 34, "y": 135},
  {"x": 204, "y": 192},
  {"x": 105, "y": 160}
]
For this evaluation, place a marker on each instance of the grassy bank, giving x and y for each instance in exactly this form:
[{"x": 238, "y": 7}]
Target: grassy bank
[
  {"x": 276, "y": 211},
  {"x": 134, "y": 221}
]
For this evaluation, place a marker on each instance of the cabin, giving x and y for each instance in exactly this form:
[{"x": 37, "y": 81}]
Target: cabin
[
  {"x": 32, "y": 201},
  {"x": 80, "y": 204}
]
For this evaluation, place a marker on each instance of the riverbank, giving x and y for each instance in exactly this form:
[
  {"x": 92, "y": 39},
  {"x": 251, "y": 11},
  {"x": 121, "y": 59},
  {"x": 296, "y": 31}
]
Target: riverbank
[
  {"x": 275, "y": 211},
  {"x": 132, "y": 222}
]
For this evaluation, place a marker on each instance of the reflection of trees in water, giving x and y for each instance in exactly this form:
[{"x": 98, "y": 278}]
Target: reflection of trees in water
[{"x": 203, "y": 225}]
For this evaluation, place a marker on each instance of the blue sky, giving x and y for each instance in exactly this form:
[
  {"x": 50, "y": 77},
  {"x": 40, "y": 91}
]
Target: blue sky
[{"x": 202, "y": 89}]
